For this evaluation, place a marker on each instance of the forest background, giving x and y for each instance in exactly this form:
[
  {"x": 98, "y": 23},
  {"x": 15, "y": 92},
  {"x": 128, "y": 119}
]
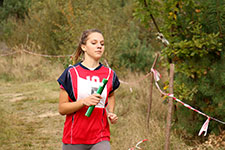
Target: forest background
[{"x": 29, "y": 91}]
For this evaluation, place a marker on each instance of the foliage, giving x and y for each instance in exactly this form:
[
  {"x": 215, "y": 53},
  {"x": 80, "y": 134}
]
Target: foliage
[
  {"x": 12, "y": 9},
  {"x": 187, "y": 53},
  {"x": 56, "y": 27},
  {"x": 195, "y": 31},
  {"x": 145, "y": 8},
  {"x": 18, "y": 8},
  {"x": 134, "y": 53}
]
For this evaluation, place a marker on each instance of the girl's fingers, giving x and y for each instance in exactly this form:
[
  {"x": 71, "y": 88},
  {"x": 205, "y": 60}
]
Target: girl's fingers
[
  {"x": 97, "y": 95},
  {"x": 113, "y": 118},
  {"x": 93, "y": 99}
]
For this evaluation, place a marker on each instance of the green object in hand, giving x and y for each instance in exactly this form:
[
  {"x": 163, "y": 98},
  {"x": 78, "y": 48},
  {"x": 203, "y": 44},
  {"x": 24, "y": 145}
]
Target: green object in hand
[{"x": 99, "y": 91}]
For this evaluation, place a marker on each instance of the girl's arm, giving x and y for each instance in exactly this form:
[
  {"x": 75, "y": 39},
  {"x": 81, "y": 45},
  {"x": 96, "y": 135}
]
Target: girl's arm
[
  {"x": 66, "y": 107},
  {"x": 111, "y": 106},
  {"x": 111, "y": 102}
]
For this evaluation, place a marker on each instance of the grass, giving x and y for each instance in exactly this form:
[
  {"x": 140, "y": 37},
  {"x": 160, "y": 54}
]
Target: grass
[
  {"x": 31, "y": 122},
  {"x": 30, "y": 119},
  {"x": 132, "y": 111}
]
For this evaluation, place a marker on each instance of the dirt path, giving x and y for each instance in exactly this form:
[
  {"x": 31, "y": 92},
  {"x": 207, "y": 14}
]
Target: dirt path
[{"x": 29, "y": 117}]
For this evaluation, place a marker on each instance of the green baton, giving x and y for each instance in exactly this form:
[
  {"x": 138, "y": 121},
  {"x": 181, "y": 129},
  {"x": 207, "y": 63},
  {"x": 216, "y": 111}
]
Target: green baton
[{"x": 99, "y": 91}]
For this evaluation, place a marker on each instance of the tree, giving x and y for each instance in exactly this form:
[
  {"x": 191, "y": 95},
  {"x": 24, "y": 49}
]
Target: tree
[{"x": 196, "y": 32}]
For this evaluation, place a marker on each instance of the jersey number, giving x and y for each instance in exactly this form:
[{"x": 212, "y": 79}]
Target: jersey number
[{"x": 93, "y": 79}]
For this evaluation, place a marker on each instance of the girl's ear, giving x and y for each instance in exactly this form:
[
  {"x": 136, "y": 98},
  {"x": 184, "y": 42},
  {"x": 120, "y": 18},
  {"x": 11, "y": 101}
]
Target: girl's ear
[{"x": 83, "y": 47}]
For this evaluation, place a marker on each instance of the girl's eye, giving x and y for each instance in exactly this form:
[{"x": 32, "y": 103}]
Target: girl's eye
[{"x": 95, "y": 42}]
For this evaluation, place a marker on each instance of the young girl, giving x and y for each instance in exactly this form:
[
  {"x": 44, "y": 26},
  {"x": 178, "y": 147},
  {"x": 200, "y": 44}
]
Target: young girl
[{"x": 79, "y": 84}]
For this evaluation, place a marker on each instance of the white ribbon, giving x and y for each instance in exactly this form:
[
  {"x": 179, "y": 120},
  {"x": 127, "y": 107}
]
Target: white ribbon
[
  {"x": 156, "y": 74},
  {"x": 204, "y": 127},
  {"x": 161, "y": 37},
  {"x": 137, "y": 145}
]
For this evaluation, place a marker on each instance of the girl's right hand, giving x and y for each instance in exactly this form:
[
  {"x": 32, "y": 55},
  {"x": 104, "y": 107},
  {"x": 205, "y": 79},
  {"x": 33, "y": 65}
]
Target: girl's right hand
[{"x": 93, "y": 99}]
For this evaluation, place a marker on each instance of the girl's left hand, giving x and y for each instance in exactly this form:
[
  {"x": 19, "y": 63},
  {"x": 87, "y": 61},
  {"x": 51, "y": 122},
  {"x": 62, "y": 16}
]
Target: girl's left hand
[{"x": 113, "y": 118}]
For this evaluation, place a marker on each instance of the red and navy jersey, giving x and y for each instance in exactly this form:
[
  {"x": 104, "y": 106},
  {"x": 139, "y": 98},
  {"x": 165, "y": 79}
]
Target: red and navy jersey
[{"x": 80, "y": 82}]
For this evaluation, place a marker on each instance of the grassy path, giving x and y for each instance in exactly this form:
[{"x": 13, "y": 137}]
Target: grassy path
[{"x": 29, "y": 117}]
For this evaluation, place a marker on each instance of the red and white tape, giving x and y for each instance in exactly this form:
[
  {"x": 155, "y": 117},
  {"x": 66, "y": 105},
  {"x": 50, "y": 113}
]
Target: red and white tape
[
  {"x": 204, "y": 127},
  {"x": 137, "y": 145}
]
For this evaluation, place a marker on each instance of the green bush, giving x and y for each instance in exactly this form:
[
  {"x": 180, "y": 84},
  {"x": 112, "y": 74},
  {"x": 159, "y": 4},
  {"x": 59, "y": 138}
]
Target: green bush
[{"x": 195, "y": 31}]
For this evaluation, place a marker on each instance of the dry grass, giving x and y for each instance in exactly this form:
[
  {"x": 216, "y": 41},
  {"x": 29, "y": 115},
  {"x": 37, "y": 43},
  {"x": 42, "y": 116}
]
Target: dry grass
[
  {"x": 25, "y": 67},
  {"x": 29, "y": 101},
  {"x": 132, "y": 111},
  {"x": 30, "y": 120}
]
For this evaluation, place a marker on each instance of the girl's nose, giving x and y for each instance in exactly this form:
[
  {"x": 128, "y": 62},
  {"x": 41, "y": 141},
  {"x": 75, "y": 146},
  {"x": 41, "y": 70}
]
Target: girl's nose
[{"x": 99, "y": 45}]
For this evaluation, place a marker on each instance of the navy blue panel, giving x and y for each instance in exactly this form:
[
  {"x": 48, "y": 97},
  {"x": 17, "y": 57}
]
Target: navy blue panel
[
  {"x": 116, "y": 82},
  {"x": 65, "y": 81}
]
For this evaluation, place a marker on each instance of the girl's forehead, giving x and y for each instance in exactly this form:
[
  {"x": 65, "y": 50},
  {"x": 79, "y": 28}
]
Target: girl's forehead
[{"x": 96, "y": 36}]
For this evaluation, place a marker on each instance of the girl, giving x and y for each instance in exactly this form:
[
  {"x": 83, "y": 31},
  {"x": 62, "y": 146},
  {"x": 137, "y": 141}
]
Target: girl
[{"x": 79, "y": 84}]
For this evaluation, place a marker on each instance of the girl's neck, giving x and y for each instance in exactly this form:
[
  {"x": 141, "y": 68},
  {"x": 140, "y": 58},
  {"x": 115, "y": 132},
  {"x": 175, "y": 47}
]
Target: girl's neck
[{"x": 90, "y": 63}]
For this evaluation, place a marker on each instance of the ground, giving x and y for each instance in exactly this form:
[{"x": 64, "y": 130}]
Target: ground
[{"x": 30, "y": 117}]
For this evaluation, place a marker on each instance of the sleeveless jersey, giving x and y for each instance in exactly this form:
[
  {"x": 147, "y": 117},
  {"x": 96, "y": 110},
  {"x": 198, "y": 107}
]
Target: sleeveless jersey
[{"x": 80, "y": 82}]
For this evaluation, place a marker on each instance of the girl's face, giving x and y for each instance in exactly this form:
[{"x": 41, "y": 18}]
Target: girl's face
[{"x": 94, "y": 46}]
